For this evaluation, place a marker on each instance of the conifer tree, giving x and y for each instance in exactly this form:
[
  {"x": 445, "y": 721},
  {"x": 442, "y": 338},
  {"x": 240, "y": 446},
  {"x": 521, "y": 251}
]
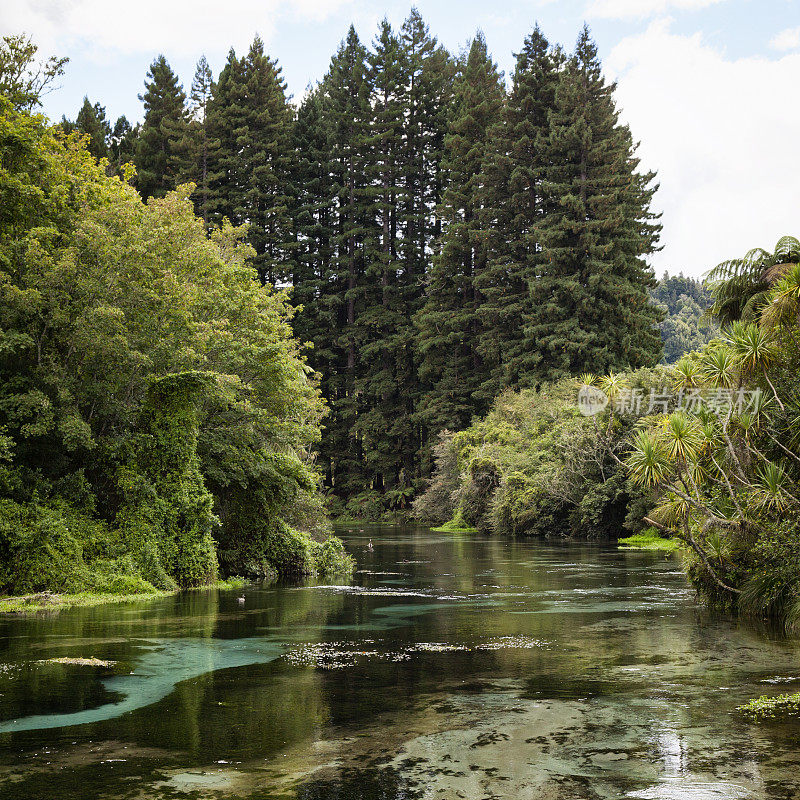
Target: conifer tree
[
  {"x": 428, "y": 75},
  {"x": 510, "y": 203},
  {"x": 249, "y": 122},
  {"x": 122, "y": 144},
  {"x": 223, "y": 124},
  {"x": 590, "y": 309},
  {"x": 91, "y": 121},
  {"x": 380, "y": 122},
  {"x": 383, "y": 314},
  {"x": 315, "y": 292},
  {"x": 264, "y": 145},
  {"x": 165, "y": 119},
  {"x": 346, "y": 112},
  {"x": 448, "y": 326},
  {"x": 313, "y": 223},
  {"x": 191, "y": 153}
]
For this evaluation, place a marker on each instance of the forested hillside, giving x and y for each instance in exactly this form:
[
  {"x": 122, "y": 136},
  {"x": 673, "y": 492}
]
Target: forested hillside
[
  {"x": 687, "y": 323},
  {"x": 445, "y": 234}
]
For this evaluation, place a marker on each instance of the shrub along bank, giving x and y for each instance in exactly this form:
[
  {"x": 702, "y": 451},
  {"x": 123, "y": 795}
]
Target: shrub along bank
[{"x": 535, "y": 465}]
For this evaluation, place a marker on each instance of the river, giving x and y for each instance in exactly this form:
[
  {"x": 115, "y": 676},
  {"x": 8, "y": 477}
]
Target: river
[{"x": 454, "y": 666}]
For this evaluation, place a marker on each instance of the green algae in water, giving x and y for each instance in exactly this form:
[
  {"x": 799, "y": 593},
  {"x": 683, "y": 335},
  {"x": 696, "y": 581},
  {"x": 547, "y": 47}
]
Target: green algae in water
[
  {"x": 784, "y": 706},
  {"x": 160, "y": 667}
]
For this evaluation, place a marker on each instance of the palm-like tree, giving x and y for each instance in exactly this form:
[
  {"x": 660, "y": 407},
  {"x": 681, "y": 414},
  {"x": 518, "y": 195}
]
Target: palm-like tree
[
  {"x": 648, "y": 462},
  {"x": 718, "y": 366},
  {"x": 686, "y": 374}
]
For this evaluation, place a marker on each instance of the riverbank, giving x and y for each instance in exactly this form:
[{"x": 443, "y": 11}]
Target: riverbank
[
  {"x": 53, "y": 601},
  {"x": 649, "y": 539},
  {"x": 50, "y": 601}
]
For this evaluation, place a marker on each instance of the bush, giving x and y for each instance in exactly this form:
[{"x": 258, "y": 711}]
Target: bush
[
  {"x": 772, "y": 564},
  {"x": 292, "y": 553},
  {"x": 289, "y": 552},
  {"x": 330, "y": 558},
  {"x": 57, "y": 549},
  {"x": 534, "y": 465},
  {"x": 367, "y": 505},
  {"x": 437, "y": 503}
]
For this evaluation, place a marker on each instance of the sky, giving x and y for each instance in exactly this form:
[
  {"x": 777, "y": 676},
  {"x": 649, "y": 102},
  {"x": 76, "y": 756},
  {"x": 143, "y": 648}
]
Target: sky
[{"x": 710, "y": 88}]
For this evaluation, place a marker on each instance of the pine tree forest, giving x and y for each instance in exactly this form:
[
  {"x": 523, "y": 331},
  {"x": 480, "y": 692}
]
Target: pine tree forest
[{"x": 443, "y": 233}]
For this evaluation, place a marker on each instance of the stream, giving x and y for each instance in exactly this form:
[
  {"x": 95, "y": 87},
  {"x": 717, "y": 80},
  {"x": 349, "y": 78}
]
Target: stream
[{"x": 452, "y": 666}]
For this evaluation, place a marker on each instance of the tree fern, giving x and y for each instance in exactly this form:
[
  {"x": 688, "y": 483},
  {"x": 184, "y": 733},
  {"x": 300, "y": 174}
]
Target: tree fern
[{"x": 740, "y": 285}]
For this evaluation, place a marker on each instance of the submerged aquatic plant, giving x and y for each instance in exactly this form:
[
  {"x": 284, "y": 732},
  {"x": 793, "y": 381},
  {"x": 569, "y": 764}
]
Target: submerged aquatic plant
[{"x": 772, "y": 708}]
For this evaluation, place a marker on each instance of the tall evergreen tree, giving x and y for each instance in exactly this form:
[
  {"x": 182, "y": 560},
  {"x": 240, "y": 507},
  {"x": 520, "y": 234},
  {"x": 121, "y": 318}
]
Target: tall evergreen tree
[
  {"x": 265, "y": 150},
  {"x": 223, "y": 124},
  {"x": 314, "y": 293},
  {"x": 165, "y": 119},
  {"x": 192, "y": 152},
  {"x": 383, "y": 314},
  {"x": 122, "y": 144},
  {"x": 91, "y": 121},
  {"x": 249, "y": 121},
  {"x": 510, "y": 201},
  {"x": 426, "y": 95},
  {"x": 590, "y": 309},
  {"x": 380, "y": 119},
  {"x": 314, "y": 216},
  {"x": 346, "y": 111},
  {"x": 448, "y": 326}
]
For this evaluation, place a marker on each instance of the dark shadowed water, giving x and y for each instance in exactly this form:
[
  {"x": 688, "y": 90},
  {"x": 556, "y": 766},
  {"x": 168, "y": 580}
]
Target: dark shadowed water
[{"x": 455, "y": 666}]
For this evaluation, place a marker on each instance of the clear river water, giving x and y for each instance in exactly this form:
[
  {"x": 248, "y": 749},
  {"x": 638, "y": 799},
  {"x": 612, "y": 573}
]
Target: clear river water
[{"x": 453, "y": 666}]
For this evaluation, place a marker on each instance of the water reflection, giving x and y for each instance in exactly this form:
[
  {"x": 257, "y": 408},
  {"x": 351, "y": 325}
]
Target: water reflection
[{"x": 454, "y": 666}]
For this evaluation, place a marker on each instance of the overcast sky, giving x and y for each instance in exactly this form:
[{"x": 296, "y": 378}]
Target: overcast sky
[{"x": 711, "y": 88}]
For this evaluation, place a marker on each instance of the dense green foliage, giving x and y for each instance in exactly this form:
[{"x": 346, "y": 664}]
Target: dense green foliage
[
  {"x": 783, "y": 707},
  {"x": 705, "y": 452},
  {"x": 589, "y": 305},
  {"x": 165, "y": 118},
  {"x": 457, "y": 254},
  {"x": 23, "y": 79},
  {"x": 149, "y": 383},
  {"x": 444, "y": 239},
  {"x": 534, "y": 465},
  {"x": 725, "y": 469},
  {"x": 742, "y": 286},
  {"x": 249, "y": 116}
]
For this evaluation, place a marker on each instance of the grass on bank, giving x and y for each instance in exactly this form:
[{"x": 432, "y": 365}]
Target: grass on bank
[
  {"x": 450, "y": 527},
  {"x": 52, "y": 601},
  {"x": 649, "y": 539},
  {"x": 49, "y": 601}
]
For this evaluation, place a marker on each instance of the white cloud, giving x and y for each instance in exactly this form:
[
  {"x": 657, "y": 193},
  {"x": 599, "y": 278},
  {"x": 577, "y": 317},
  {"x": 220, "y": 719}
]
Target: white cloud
[
  {"x": 179, "y": 27},
  {"x": 788, "y": 39},
  {"x": 721, "y": 135},
  {"x": 625, "y": 9}
]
